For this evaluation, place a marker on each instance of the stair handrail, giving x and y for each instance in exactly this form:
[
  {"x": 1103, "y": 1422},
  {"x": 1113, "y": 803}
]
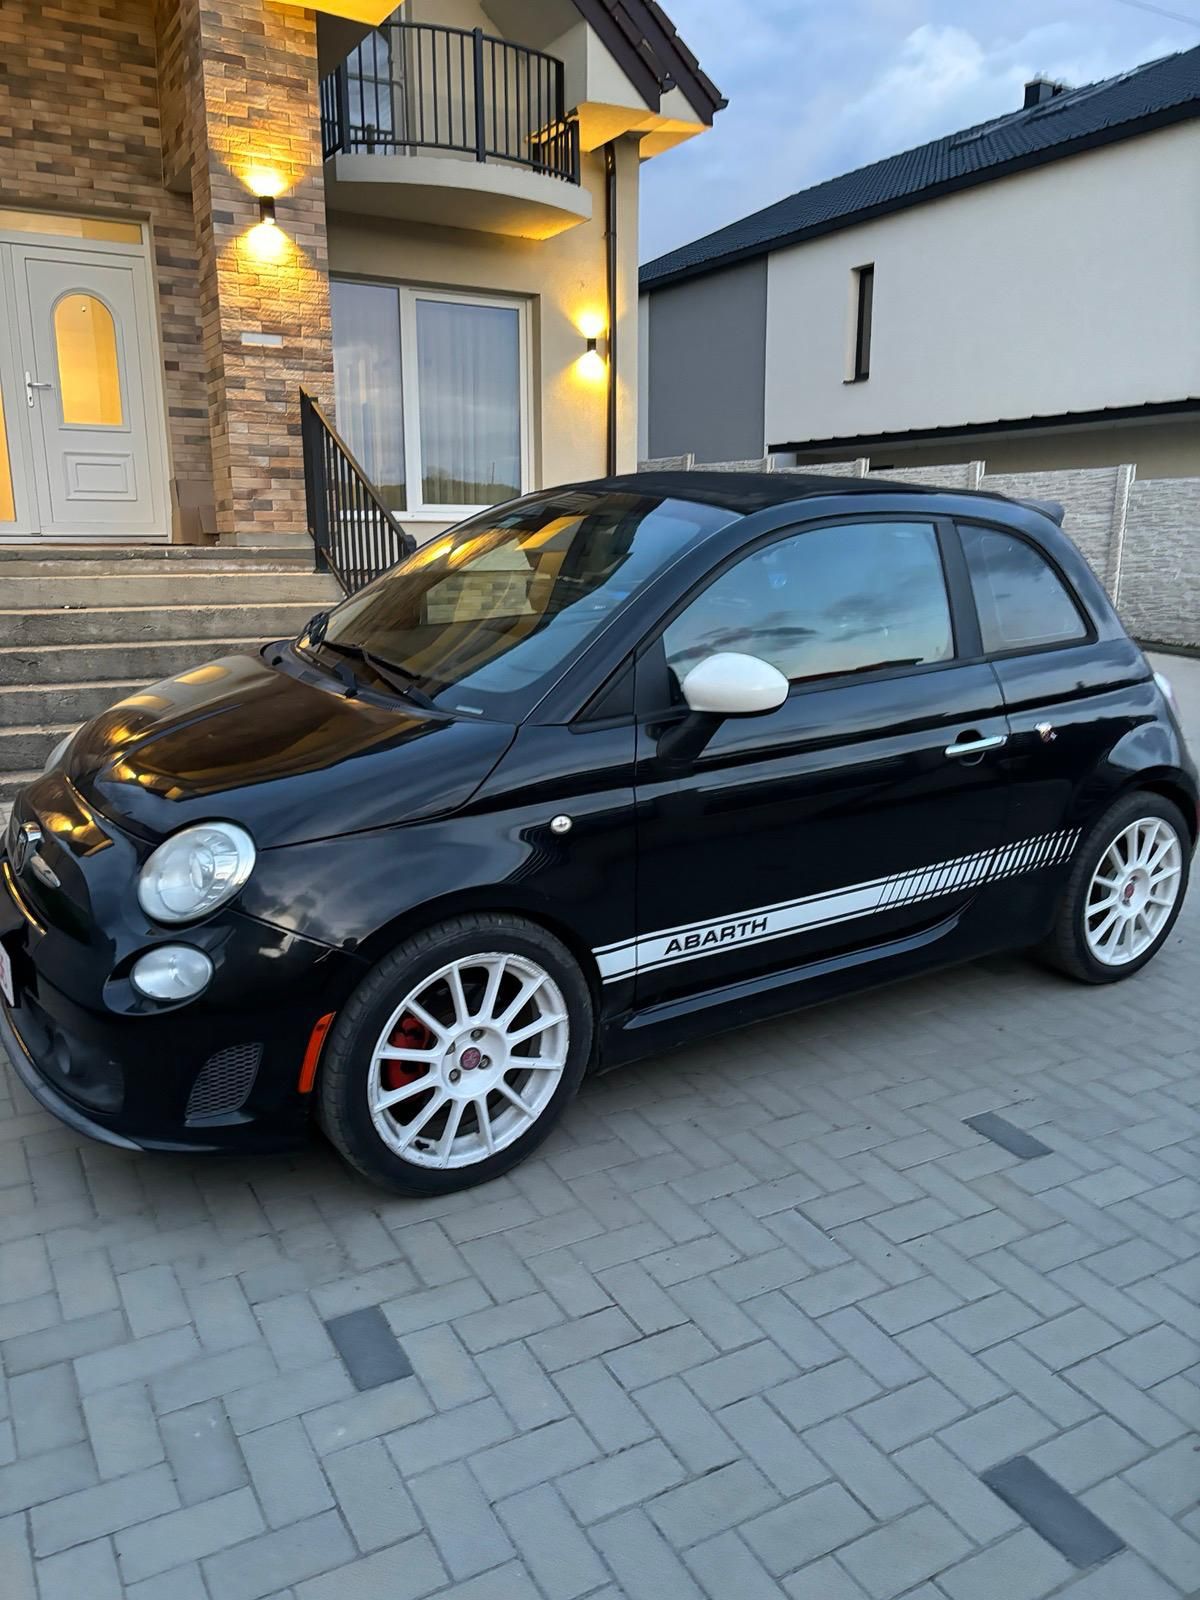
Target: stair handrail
[{"x": 355, "y": 536}]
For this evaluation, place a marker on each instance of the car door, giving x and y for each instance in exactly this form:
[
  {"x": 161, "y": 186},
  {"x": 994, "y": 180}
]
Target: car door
[{"x": 865, "y": 808}]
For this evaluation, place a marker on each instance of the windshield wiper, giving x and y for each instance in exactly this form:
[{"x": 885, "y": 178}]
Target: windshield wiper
[{"x": 395, "y": 676}]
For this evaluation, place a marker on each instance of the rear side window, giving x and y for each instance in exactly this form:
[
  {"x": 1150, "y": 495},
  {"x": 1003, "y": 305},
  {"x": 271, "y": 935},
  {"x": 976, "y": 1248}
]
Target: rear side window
[
  {"x": 1021, "y": 600},
  {"x": 850, "y": 598}
]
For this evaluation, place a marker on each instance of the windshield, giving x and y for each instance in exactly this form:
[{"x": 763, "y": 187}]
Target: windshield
[{"x": 484, "y": 619}]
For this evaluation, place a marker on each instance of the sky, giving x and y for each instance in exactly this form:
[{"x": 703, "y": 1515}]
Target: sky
[{"x": 819, "y": 87}]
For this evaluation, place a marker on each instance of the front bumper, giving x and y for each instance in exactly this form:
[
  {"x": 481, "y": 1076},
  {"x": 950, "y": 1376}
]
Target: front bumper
[{"x": 219, "y": 1073}]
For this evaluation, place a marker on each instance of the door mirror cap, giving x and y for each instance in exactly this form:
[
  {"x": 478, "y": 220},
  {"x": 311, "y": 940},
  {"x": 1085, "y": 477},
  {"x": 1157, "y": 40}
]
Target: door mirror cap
[{"x": 734, "y": 685}]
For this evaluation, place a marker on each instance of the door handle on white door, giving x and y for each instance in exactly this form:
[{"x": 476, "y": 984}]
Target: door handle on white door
[
  {"x": 976, "y": 747},
  {"x": 31, "y": 384}
]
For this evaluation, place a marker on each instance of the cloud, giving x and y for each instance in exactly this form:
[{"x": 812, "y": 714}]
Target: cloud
[{"x": 816, "y": 90}]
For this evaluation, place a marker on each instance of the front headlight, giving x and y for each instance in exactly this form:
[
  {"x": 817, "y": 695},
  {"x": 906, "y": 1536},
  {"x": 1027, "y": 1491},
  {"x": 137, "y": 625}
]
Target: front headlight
[{"x": 195, "y": 871}]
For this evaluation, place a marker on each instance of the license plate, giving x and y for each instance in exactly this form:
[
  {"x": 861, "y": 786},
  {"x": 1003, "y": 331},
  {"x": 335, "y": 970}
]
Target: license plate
[{"x": 6, "y": 978}]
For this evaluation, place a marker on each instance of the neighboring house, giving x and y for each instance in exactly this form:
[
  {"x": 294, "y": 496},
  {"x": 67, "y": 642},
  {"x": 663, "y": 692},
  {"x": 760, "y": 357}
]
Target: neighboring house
[
  {"x": 188, "y": 190},
  {"x": 1027, "y": 290}
]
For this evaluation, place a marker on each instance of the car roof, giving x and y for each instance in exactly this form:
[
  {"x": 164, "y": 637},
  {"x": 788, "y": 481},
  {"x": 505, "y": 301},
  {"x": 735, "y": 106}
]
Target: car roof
[{"x": 746, "y": 492}]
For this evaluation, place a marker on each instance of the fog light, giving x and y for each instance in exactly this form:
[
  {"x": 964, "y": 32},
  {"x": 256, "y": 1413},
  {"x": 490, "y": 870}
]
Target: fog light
[{"x": 175, "y": 972}]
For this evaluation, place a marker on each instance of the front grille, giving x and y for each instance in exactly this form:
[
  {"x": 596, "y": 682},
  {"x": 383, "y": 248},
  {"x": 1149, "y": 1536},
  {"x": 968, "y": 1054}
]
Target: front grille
[{"x": 224, "y": 1081}]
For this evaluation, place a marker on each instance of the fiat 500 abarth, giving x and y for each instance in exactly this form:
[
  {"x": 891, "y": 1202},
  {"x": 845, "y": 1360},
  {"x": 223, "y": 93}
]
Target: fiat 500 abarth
[{"x": 601, "y": 771}]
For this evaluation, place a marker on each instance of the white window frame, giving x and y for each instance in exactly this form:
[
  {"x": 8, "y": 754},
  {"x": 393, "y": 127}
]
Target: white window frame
[{"x": 419, "y": 510}]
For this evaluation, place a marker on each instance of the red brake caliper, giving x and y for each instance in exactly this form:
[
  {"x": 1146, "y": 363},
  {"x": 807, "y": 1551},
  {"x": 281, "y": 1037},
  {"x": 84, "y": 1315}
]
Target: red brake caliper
[{"x": 408, "y": 1034}]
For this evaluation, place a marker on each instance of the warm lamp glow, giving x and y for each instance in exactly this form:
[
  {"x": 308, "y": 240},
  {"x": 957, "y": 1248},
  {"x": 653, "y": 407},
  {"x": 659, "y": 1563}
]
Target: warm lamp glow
[
  {"x": 265, "y": 182},
  {"x": 591, "y": 324},
  {"x": 266, "y": 242},
  {"x": 591, "y": 366}
]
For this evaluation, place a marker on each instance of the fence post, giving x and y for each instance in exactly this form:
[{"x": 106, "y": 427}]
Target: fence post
[
  {"x": 1120, "y": 519},
  {"x": 342, "y": 91},
  {"x": 480, "y": 120},
  {"x": 975, "y": 472}
]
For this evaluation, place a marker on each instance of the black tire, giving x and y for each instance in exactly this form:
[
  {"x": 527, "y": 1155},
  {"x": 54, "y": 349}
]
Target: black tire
[
  {"x": 342, "y": 1086},
  {"x": 1066, "y": 949}
]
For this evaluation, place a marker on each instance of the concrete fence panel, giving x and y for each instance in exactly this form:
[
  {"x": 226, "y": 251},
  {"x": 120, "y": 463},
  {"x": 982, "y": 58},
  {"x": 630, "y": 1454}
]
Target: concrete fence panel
[
  {"x": 1095, "y": 499},
  {"x": 833, "y": 469},
  {"x": 1159, "y": 592},
  {"x": 958, "y": 475}
]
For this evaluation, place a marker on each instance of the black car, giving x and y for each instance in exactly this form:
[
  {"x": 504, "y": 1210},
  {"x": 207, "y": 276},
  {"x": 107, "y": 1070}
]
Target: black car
[{"x": 601, "y": 771}]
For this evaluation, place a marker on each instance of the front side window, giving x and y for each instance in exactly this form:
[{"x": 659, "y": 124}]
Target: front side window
[
  {"x": 852, "y": 598},
  {"x": 485, "y": 619},
  {"x": 430, "y": 395},
  {"x": 1021, "y": 600}
]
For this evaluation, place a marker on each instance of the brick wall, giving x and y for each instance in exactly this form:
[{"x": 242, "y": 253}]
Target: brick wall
[
  {"x": 256, "y": 125},
  {"x": 80, "y": 131}
]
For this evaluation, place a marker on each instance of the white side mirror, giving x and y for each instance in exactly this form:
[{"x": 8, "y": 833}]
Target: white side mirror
[{"x": 734, "y": 685}]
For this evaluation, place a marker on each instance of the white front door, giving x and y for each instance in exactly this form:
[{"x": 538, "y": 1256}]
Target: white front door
[{"x": 82, "y": 396}]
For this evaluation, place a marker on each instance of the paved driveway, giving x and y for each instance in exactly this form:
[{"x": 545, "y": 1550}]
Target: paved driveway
[{"x": 756, "y": 1323}]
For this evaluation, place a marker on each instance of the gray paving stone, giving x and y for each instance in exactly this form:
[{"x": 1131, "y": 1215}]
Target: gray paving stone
[
  {"x": 122, "y": 1430},
  {"x": 367, "y": 1415},
  {"x": 449, "y": 1376},
  {"x": 43, "y": 1477},
  {"x": 773, "y": 1446},
  {"x": 208, "y": 1376},
  {"x": 914, "y": 1547},
  {"x": 828, "y": 1392},
  {"x": 181, "y": 1583},
  {"x": 448, "y": 1437},
  {"x": 827, "y": 1580},
  {"x": 910, "y": 1413},
  {"x": 992, "y": 1435},
  {"x": 258, "y": 1567},
  {"x": 202, "y": 1451},
  {"x": 371, "y": 1495},
  {"x": 286, "y": 1475},
  {"x": 532, "y": 1458},
  {"x": 152, "y": 1300},
  {"x": 88, "y": 1572},
  {"x": 825, "y": 1519},
  {"x": 82, "y": 1337},
  {"x": 956, "y": 1490},
  {"x": 711, "y": 1504},
  {"x": 863, "y": 1469},
  {"x": 16, "y": 1562},
  {"x": 1144, "y": 1528},
  {"x": 45, "y": 1409},
  {"x": 560, "y": 1559},
  {"x": 185, "y": 1536},
  {"x": 1070, "y": 1338},
  {"x": 91, "y": 1513},
  {"x": 521, "y": 1386},
  {"x": 604, "y": 1408},
  {"x": 137, "y": 1361},
  {"x": 645, "y": 1566},
  {"x": 658, "y": 1356},
  {"x": 1085, "y": 1455},
  {"x": 1021, "y": 1567},
  {"x": 464, "y": 1527},
  {"x": 686, "y": 1427},
  {"x": 291, "y": 1394}
]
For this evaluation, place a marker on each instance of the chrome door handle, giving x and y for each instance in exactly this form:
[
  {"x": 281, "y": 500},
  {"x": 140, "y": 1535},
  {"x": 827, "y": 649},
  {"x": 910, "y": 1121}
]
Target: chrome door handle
[
  {"x": 31, "y": 384},
  {"x": 976, "y": 747}
]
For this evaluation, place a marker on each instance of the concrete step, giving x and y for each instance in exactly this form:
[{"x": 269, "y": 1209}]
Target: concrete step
[
  {"x": 162, "y": 623},
  {"x": 48, "y": 665},
  {"x": 10, "y": 783},
  {"x": 154, "y": 557},
  {"x": 184, "y": 586},
  {"x": 27, "y": 705},
  {"x": 25, "y": 749},
  {"x": 274, "y": 541},
  {"x": 232, "y": 562}
]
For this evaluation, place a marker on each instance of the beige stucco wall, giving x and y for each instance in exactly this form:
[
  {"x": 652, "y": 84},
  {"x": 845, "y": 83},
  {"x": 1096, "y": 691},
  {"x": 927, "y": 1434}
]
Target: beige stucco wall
[
  {"x": 563, "y": 279},
  {"x": 1068, "y": 288},
  {"x": 1161, "y": 449}
]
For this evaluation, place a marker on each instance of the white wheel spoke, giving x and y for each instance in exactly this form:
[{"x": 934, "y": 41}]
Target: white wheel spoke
[
  {"x": 446, "y": 1142},
  {"x": 515, "y": 1007},
  {"x": 536, "y": 1064},
  {"x": 416, "y": 1010},
  {"x": 1106, "y": 882},
  {"x": 1103, "y": 905},
  {"x": 394, "y": 1052},
  {"x": 496, "y": 971},
  {"x": 457, "y": 997},
  {"x": 509, "y": 1093},
  {"x": 485, "y": 1125},
  {"x": 532, "y": 1029},
  {"x": 387, "y": 1098},
  {"x": 1100, "y": 935},
  {"x": 419, "y": 1121},
  {"x": 1133, "y": 892}
]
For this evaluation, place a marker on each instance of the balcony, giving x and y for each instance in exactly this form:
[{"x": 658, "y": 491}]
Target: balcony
[{"x": 452, "y": 126}]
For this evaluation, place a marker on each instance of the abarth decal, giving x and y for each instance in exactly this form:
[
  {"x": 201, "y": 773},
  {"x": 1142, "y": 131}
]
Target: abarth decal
[{"x": 693, "y": 941}]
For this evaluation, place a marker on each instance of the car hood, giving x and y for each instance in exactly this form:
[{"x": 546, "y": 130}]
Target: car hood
[{"x": 287, "y": 758}]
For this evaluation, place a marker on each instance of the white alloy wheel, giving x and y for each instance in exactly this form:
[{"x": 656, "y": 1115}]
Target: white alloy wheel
[
  {"x": 1133, "y": 891},
  {"x": 469, "y": 1060}
]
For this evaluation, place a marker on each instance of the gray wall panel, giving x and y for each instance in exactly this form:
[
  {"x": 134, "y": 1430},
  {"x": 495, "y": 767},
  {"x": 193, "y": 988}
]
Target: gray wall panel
[{"x": 707, "y": 365}]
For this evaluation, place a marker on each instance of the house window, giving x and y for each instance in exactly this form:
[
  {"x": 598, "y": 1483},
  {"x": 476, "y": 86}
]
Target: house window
[
  {"x": 864, "y": 296},
  {"x": 432, "y": 395}
]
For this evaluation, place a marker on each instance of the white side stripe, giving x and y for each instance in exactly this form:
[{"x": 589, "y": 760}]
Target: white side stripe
[{"x": 691, "y": 941}]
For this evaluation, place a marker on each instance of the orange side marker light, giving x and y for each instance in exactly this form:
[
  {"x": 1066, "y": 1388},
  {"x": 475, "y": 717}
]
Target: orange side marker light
[{"x": 312, "y": 1055}]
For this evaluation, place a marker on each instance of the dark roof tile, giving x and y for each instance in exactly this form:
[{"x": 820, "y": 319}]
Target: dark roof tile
[{"x": 1163, "y": 90}]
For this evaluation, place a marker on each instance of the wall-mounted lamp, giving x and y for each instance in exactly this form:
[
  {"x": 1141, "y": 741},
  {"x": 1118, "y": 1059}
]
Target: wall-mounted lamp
[
  {"x": 592, "y": 365},
  {"x": 266, "y": 210}
]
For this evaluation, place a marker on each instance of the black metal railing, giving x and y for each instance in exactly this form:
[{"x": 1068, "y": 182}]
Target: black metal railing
[
  {"x": 421, "y": 86},
  {"x": 354, "y": 534}
]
